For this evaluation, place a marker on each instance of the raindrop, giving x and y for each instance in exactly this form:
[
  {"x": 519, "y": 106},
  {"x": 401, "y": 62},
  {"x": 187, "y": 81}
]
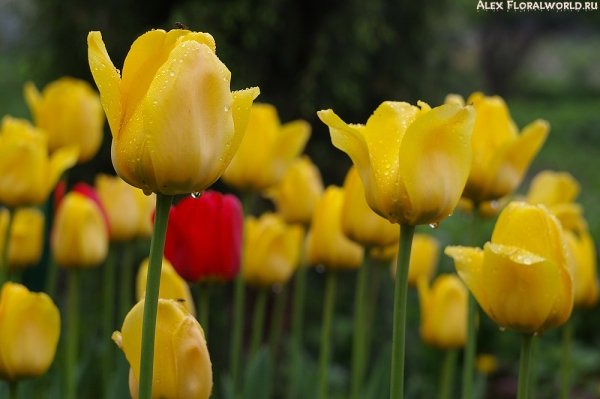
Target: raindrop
[
  {"x": 197, "y": 194},
  {"x": 172, "y": 73},
  {"x": 408, "y": 214},
  {"x": 494, "y": 204},
  {"x": 389, "y": 165},
  {"x": 502, "y": 329},
  {"x": 226, "y": 108},
  {"x": 434, "y": 225},
  {"x": 527, "y": 261}
]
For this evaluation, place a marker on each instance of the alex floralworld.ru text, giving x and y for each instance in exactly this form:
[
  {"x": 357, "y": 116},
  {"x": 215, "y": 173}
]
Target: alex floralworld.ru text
[{"x": 536, "y": 6}]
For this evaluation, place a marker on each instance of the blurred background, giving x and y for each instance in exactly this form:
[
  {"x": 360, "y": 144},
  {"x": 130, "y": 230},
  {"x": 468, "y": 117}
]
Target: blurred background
[{"x": 351, "y": 55}]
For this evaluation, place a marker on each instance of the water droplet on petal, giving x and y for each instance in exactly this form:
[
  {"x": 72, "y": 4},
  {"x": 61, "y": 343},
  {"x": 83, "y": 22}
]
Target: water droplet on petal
[
  {"x": 408, "y": 214},
  {"x": 434, "y": 225},
  {"x": 502, "y": 329},
  {"x": 197, "y": 195},
  {"x": 172, "y": 73},
  {"x": 494, "y": 204},
  {"x": 226, "y": 108}
]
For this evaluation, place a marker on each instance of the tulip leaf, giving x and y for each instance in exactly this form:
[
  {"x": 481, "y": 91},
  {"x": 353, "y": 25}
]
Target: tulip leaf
[{"x": 258, "y": 381}]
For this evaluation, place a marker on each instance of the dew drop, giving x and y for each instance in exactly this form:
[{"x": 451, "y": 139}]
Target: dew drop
[
  {"x": 408, "y": 214},
  {"x": 527, "y": 261},
  {"x": 197, "y": 194},
  {"x": 494, "y": 204},
  {"x": 502, "y": 329},
  {"x": 386, "y": 172},
  {"x": 226, "y": 108},
  {"x": 172, "y": 73},
  {"x": 388, "y": 165},
  {"x": 155, "y": 102},
  {"x": 434, "y": 225}
]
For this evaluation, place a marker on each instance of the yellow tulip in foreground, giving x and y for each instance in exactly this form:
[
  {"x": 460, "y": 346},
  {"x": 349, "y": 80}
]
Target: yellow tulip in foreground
[
  {"x": 29, "y": 332},
  {"x": 172, "y": 286},
  {"x": 413, "y": 161},
  {"x": 182, "y": 367},
  {"x": 272, "y": 250},
  {"x": 443, "y": 311},
  {"x": 70, "y": 111},
  {"x": 521, "y": 278},
  {"x": 424, "y": 259},
  {"x": 585, "y": 269},
  {"x": 175, "y": 122},
  {"x": 26, "y": 236},
  {"x": 501, "y": 155},
  {"x": 267, "y": 151},
  {"x": 27, "y": 173}
]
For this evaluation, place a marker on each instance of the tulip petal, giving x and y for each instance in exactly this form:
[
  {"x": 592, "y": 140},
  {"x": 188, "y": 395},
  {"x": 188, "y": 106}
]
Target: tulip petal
[
  {"x": 553, "y": 188},
  {"x": 468, "y": 262},
  {"x": 33, "y": 99},
  {"x": 107, "y": 79},
  {"x": 436, "y": 161},
  {"x": 191, "y": 354},
  {"x": 289, "y": 144},
  {"x": 60, "y": 160}
]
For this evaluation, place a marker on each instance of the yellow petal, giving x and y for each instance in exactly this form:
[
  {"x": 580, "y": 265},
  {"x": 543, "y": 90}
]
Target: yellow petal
[
  {"x": 33, "y": 99},
  {"x": 289, "y": 144},
  {"x": 192, "y": 361},
  {"x": 60, "y": 160},
  {"x": 553, "y": 188},
  {"x": 424, "y": 257},
  {"x": 468, "y": 263},
  {"x": 455, "y": 99}
]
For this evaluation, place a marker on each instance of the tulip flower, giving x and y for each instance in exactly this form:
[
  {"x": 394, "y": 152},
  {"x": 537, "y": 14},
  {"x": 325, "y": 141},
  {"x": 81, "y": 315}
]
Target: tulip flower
[
  {"x": 501, "y": 155},
  {"x": 29, "y": 332},
  {"x": 486, "y": 209},
  {"x": 267, "y": 150},
  {"x": 182, "y": 367},
  {"x": 70, "y": 111},
  {"x": 204, "y": 237},
  {"x": 27, "y": 173},
  {"x": 585, "y": 274},
  {"x": 175, "y": 122},
  {"x": 298, "y": 192},
  {"x": 521, "y": 278},
  {"x": 26, "y": 240},
  {"x": 425, "y": 255},
  {"x": 486, "y": 364},
  {"x": 147, "y": 206}
]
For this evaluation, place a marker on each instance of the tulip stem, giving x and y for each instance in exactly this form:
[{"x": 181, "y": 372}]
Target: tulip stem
[
  {"x": 523, "y": 392},
  {"x": 157, "y": 245},
  {"x": 325, "y": 350},
  {"x": 447, "y": 374},
  {"x": 4, "y": 259},
  {"x": 565, "y": 365},
  {"x": 359, "y": 338},
  {"x": 297, "y": 324},
  {"x": 277, "y": 320},
  {"x": 108, "y": 318},
  {"x": 51, "y": 277},
  {"x": 400, "y": 294},
  {"x": 126, "y": 279},
  {"x": 202, "y": 303},
  {"x": 13, "y": 389},
  {"x": 72, "y": 338},
  {"x": 260, "y": 306},
  {"x": 374, "y": 288}
]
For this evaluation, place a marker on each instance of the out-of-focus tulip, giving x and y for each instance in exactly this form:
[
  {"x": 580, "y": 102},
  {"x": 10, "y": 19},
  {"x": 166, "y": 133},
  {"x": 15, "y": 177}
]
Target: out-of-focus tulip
[
  {"x": 26, "y": 236},
  {"x": 501, "y": 155},
  {"x": 521, "y": 278},
  {"x": 384, "y": 254},
  {"x": 326, "y": 244},
  {"x": 175, "y": 122},
  {"x": 123, "y": 205},
  {"x": 487, "y": 209},
  {"x": 298, "y": 192},
  {"x": 29, "y": 331},
  {"x": 80, "y": 232},
  {"x": 424, "y": 259},
  {"x": 267, "y": 151},
  {"x": 272, "y": 250},
  {"x": 70, "y": 111},
  {"x": 413, "y": 161},
  {"x": 27, "y": 173},
  {"x": 359, "y": 222},
  {"x": 585, "y": 274},
  {"x": 486, "y": 364},
  {"x": 443, "y": 311},
  {"x": 172, "y": 286},
  {"x": 204, "y": 237},
  {"x": 182, "y": 367}
]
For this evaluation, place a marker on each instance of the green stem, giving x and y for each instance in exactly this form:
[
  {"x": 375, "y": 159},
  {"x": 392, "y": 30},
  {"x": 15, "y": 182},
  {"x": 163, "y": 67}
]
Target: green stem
[
  {"x": 51, "y": 277},
  {"x": 13, "y": 389},
  {"x": 523, "y": 392},
  {"x": 359, "y": 338},
  {"x": 108, "y": 284},
  {"x": 126, "y": 279},
  {"x": 72, "y": 336},
  {"x": 4, "y": 259},
  {"x": 202, "y": 305},
  {"x": 374, "y": 288},
  {"x": 447, "y": 375},
  {"x": 565, "y": 366},
  {"x": 325, "y": 350},
  {"x": 297, "y": 325},
  {"x": 277, "y": 320},
  {"x": 535, "y": 350},
  {"x": 399, "y": 332},
  {"x": 260, "y": 306},
  {"x": 157, "y": 245}
]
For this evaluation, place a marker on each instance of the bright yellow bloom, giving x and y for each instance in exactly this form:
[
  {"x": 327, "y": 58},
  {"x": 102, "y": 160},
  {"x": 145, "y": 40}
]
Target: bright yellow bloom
[
  {"x": 500, "y": 155},
  {"x": 26, "y": 236},
  {"x": 123, "y": 205},
  {"x": 174, "y": 121},
  {"x": 267, "y": 151},
  {"x": 272, "y": 250},
  {"x": 359, "y": 222},
  {"x": 585, "y": 274},
  {"x": 182, "y": 367},
  {"x": 70, "y": 111},
  {"x": 298, "y": 192},
  {"x": 326, "y": 244},
  {"x": 29, "y": 331},
  {"x": 521, "y": 278},
  {"x": 413, "y": 161},
  {"x": 443, "y": 311},
  {"x": 80, "y": 236},
  {"x": 27, "y": 173},
  {"x": 172, "y": 286},
  {"x": 424, "y": 259}
]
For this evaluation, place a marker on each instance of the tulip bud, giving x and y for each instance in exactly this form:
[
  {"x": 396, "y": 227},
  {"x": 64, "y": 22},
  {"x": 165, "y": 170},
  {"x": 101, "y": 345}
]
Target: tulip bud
[
  {"x": 26, "y": 236},
  {"x": 585, "y": 275},
  {"x": 424, "y": 259}
]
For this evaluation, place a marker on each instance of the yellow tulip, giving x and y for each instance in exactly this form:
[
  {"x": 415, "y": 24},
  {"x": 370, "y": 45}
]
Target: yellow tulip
[
  {"x": 182, "y": 367},
  {"x": 487, "y": 209},
  {"x": 521, "y": 278},
  {"x": 298, "y": 192},
  {"x": 26, "y": 236},
  {"x": 146, "y": 205},
  {"x": 70, "y": 111},
  {"x": 585, "y": 275},
  {"x": 272, "y": 250},
  {"x": 80, "y": 236},
  {"x": 413, "y": 161},
  {"x": 29, "y": 332},
  {"x": 359, "y": 222},
  {"x": 267, "y": 150},
  {"x": 172, "y": 286},
  {"x": 175, "y": 123},
  {"x": 486, "y": 364},
  {"x": 27, "y": 173},
  {"x": 384, "y": 254},
  {"x": 424, "y": 259},
  {"x": 443, "y": 311},
  {"x": 326, "y": 243},
  {"x": 500, "y": 155}
]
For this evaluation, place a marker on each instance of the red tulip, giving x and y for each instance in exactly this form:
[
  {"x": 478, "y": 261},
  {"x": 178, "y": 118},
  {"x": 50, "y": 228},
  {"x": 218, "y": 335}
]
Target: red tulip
[{"x": 204, "y": 237}]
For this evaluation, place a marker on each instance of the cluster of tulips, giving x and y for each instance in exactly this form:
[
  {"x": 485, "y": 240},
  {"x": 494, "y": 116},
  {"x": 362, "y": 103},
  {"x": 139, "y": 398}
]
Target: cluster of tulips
[{"x": 176, "y": 129}]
